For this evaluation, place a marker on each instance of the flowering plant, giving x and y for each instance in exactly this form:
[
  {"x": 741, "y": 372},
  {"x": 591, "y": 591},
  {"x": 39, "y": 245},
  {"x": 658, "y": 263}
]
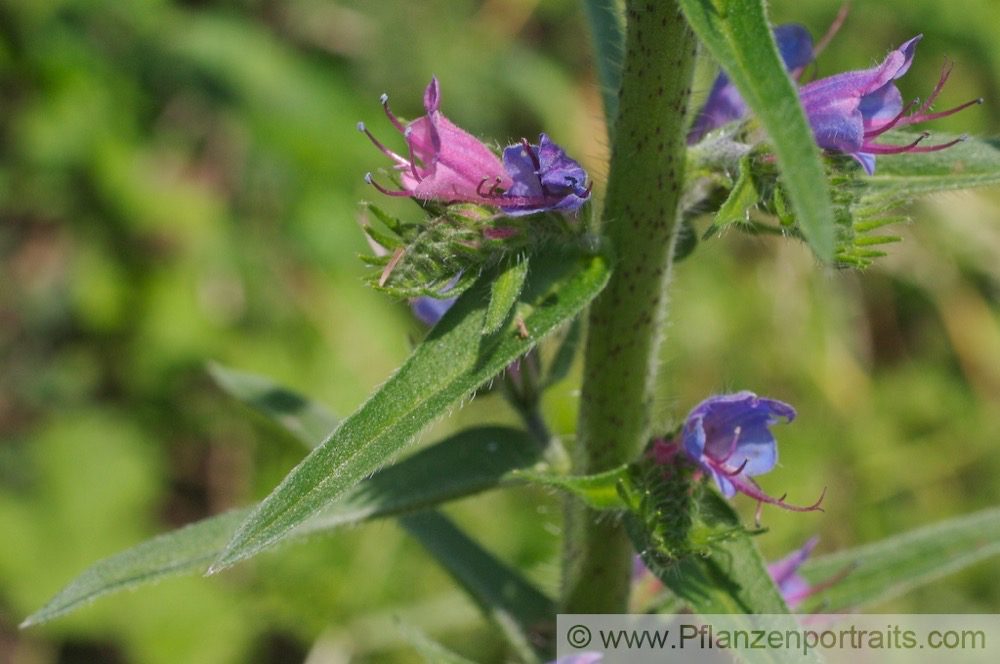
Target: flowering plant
[{"x": 516, "y": 262}]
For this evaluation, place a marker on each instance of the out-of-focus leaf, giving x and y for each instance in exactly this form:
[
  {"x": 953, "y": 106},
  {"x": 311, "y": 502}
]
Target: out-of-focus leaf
[
  {"x": 737, "y": 34},
  {"x": 523, "y": 612},
  {"x": 600, "y": 491},
  {"x": 504, "y": 293},
  {"x": 452, "y": 362},
  {"x": 883, "y": 570},
  {"x": 469, "y": 462},
  {"x": 432, "y": 651},
  {"x": 308, "y": 420},
  {"x": 562, "y": 361}
]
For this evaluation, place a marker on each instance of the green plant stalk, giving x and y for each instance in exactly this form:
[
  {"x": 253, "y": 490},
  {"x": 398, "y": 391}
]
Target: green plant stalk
[{"x": 627, "y": 320}]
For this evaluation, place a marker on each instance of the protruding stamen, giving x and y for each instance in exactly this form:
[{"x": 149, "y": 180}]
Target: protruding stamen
[
  {"x": 384, "y": 100},
  {"x": 832, "y": 30},
  {"x": 733, "y": 473},
  {"x": 875, "y": 148},
  {"x": 892, "y": 123},
  {"x": 387, "y": 192},
  {"x": 945, "y": 73},
  {"x": 409, "y": 146},
  {"x": 492, "y": 193},
  {"x": 941, "y": 114},
  {"x": 940, "y": 146},
  {"x": 395, "y": 157},
  {"x": 732, "y": 446}
]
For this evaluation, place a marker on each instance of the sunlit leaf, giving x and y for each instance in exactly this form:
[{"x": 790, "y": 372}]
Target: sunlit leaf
[{"x": 449, "y": 365}]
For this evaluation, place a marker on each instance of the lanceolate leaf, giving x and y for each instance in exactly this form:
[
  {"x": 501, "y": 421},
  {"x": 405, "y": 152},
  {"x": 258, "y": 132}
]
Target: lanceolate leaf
[
  {"x": 737, "y": 34},
  {"x": 600, "y": 491},
  {"x": 449, "y": 365},
  {"x": 883, "y": 570},
  {"x": 607, "y": 31},
  {"x": 514, "y": 604},
  {"x": 469, "y": 462}
]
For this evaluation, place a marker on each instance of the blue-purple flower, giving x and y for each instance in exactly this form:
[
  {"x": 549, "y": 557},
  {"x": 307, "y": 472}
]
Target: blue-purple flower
[
  {"x": 730, "y": 438},
  {"x": 545, "y": 178},
  {"x": 725, "y": 104},
  {"x": 849, "y": 111},
  {"x": 429, "y": 310}
]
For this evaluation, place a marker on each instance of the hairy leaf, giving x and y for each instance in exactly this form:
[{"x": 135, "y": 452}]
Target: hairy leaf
[{"x": 449, "y": 365}]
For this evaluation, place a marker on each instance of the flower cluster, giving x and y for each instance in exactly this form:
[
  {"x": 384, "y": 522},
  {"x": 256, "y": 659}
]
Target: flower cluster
[
  {"x": 847, "y": 112},
  {"x": 729, "y": 438},
  {"x": 446, "y": 164}
]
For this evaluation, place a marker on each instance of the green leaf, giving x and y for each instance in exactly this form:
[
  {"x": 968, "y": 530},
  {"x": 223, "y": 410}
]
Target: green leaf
[
  {"x": 599, "y": 491},
  {"x": 466, "y": 463},
  {"x": 307, "y": 420},
  {"x": 515, "y": 605},
  {"x": 449, "y": 365},
  {"x": 880, "y": 571},
  {"x": 504, "y": 293},
  {"x": 562, "y": 361},
  {"x": 737, "y": 34},
  {"x": 741, "y": 199}
]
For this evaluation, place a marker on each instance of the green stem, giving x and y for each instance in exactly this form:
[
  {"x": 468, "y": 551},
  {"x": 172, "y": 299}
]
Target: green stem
[{"x": 627, "y": 320}]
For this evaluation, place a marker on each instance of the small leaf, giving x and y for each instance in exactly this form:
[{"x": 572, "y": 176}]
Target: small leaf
[
  {"x": 599, "y": 491},
  {"x": 504, "y": 293},
  {"x": 523, "y": 612},
  {"x": 452, "y": 362},
  {"x": 741, "y": 199},
  {"x": 562, "y": 361},
  {"x": 737, "y": 34},
  {"x": 880, "y": 571},
  {"x": 466, "y": 463}
]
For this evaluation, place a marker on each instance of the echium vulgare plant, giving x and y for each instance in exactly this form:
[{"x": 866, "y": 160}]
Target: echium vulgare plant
[{"x": 506, "y": 246}]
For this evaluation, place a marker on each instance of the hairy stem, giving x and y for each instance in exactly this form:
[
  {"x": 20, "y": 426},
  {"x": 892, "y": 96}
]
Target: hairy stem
[{"x": 627, "y": 320}]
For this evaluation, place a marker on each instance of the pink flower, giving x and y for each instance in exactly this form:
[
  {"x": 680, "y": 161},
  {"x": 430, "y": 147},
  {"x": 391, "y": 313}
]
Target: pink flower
[{"x": 444, "y": 163}]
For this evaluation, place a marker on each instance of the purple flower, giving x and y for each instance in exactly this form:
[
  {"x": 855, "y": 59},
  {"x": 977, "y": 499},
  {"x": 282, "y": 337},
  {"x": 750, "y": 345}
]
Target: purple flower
[
  {"x": 545, "y": 178},
  {"x": 785, "y": 572},
  {"x": 444, "y": 163},
  {"x": 848, "y": 111},
  {"x": 729, "y": 436},
  {"x": 725, "y": 104}
]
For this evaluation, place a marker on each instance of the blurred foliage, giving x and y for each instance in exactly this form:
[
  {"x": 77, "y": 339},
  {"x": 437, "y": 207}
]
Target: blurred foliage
[{"x": 179, "y": 183}]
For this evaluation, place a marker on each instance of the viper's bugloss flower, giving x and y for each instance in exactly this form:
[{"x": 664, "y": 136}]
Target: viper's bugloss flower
[
  {"x": 725, "y": 104},
  {"x": 443, "y": 163},
  {"x": 849, "y": 111},
  {"x": 730, "y": 438},
  {"x": 447, "y": 164},
  {"x": 785, "y": 572},
  {"x": 544, "y": 177}
]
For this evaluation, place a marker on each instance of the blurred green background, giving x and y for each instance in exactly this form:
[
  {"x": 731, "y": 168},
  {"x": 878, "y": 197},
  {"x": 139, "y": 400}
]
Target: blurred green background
[{"x": 179, "y": 183}]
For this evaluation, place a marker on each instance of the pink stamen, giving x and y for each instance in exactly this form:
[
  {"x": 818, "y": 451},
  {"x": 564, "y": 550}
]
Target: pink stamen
[
  {"x": 876, "y": 148},
  {"x": 384, "y": 100},
  {"x": 413, "y": 163},
  {"x": 732, "y": 446},
  {"x": 387, "y": 192},
  {"x": 395, "y": 157},
  {"x": 733, "y": 473},
  {"x": 531, "y": 154},
  {"x": 747, "y": 486},
  {"x": 892, "y": 123},
  {"x": 832, "y": 30},
  {"x": 942, "y": 114}
]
